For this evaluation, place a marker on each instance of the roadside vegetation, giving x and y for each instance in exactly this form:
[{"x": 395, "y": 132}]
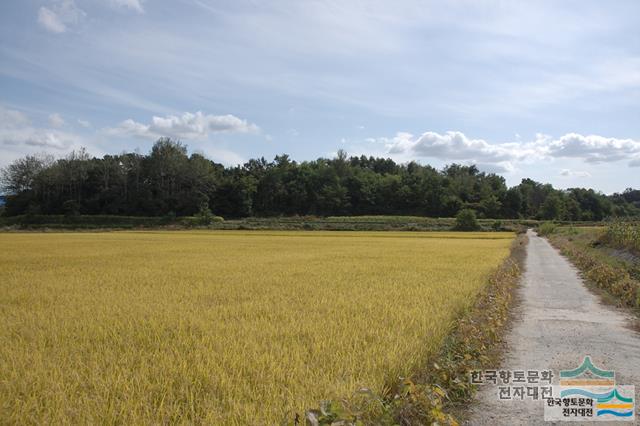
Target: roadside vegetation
[
  {"x": 623, "y": 234},
  {"x": 547, "y": 228},
  {"x": 608, "y": 256},
  {"x": 233, "y": 327}
]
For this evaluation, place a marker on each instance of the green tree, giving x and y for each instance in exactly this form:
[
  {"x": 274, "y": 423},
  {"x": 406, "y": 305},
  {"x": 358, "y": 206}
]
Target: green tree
[
  {"x": 167, "y": 181},
  {"x": 21, "y": 175},
  {"x": 552, "y": 207},
  {"x": 491, "y": 206}
]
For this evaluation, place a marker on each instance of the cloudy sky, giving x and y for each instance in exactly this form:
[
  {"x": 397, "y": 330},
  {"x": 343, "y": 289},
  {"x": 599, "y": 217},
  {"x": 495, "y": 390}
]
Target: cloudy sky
[{"x": 544, "y": 89}]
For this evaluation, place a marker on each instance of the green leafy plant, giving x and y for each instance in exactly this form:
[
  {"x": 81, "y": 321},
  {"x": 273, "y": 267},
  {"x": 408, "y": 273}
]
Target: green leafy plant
[
  {"x": 466, "y": 220},
  {"x": 547, "y": 228},
  {"x": 624, "y": 234}
]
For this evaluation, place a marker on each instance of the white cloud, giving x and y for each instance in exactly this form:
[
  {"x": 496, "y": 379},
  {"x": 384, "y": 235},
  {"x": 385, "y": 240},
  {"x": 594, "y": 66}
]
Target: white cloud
[
  {"x": 84, "y": 123},
  {"x": 19, "y": 136},
  {"x": 16, "y": 130},
  {"x": 574, "y": 173},
  {"x": 36, "y": 137},
  {"x": 135, "y": 5},
  {"x": 293, "y": 133},
  {"x": 46, "y": 139},
  {"x": 593, "y": 148},
  {"x": 60, "y": 16},
  {"x": 187, "y": 126},
  {"x": 223, "y": 156},
  {"x": 50, "y": 20},
  {"x": 131, "y": 128},
  {"x": 498, "y": 168},
  {"x": 455, "y": 146},
  {"x": 56, "y": 120},
  {"x": 635, "y": 162},
  {"x": 11, "y": 118}
]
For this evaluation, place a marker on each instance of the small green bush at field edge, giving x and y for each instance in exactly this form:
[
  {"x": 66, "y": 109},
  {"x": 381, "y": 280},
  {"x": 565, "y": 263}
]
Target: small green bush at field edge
[
  {"x": 466, "y": 220},
  {"x": 200, "y": 221}
]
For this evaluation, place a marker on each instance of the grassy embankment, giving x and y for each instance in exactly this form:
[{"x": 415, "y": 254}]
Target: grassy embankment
[
  {"x": 608, "y": 256},
  {"x": 331, "y": 223}
]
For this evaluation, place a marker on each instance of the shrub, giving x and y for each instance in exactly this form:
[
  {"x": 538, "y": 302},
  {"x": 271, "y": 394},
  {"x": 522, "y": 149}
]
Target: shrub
[
  {"x": 466, "y": 220},
  {"x": 169, "y": 218},
  {"x": 627, "y": 290},
  {"x": 200, "y": 220},
  {"x": 604, "y": 275},
  {"x": 624, "y": 234},
  {"x": 546, "y": 228},
  {"x": 205, "y": 217}
]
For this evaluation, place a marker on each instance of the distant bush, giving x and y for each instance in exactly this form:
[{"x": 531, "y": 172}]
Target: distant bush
[
  {"x": 204, "y": 217},
  {"x": 200, "y": 220},
  {"x": 547, "y": 228},
  {"x": 169, "y": 218},
  {"x": 466, "y": 220}
]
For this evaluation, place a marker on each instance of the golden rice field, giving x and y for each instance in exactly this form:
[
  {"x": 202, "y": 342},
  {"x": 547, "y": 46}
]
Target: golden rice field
[{"x": 221, "y": 327}]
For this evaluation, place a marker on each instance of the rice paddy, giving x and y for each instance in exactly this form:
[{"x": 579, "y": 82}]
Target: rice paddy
[{"x": 224, "y": 327}]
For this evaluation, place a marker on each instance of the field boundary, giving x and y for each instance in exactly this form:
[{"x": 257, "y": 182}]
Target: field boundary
[
  {"x": 439, "y": 391},
  {"x": 612, "y": 282},
  {"x": 293, "y": 223}
]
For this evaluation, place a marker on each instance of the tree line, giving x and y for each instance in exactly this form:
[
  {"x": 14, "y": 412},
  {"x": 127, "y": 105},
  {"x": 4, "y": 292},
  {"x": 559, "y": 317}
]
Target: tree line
[{"x": 169, "y": 182}]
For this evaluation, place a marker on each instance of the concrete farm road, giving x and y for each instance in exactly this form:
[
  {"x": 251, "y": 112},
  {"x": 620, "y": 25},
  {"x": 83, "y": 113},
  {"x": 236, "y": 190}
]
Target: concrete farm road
[{"x": 557, "y": 323}]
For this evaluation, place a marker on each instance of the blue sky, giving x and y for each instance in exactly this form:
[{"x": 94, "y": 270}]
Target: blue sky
[{"x": 546, "y": 89}]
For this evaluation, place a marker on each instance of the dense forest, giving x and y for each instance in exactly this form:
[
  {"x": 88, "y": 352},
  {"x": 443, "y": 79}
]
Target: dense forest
[{"x": 170, "y": 182}]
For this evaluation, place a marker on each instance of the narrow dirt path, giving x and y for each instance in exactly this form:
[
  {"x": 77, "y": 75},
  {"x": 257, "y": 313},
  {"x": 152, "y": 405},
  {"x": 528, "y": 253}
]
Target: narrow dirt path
[{"x": 557, "y": 323}]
